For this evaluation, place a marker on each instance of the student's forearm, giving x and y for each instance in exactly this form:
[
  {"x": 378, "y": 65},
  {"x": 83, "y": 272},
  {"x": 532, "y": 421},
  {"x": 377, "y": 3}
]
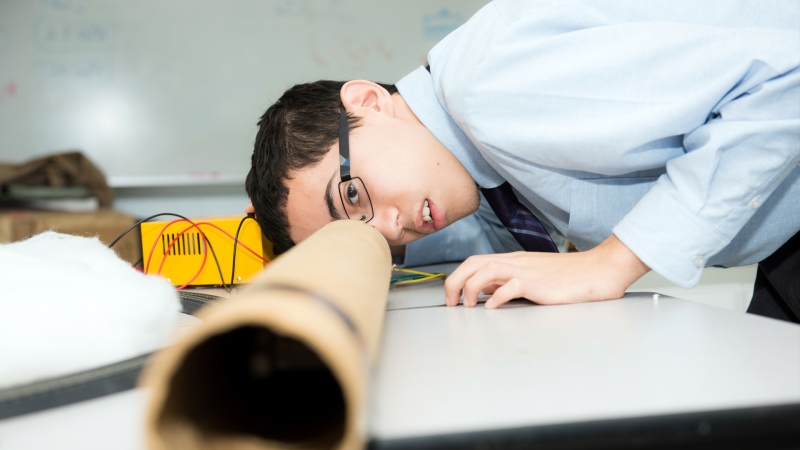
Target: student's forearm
[{"x": 623, "y": 266}]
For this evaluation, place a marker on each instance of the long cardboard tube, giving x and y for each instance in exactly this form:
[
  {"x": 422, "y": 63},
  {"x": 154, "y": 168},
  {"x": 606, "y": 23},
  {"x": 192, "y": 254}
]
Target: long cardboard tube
[{"x": 284, "y": 364}]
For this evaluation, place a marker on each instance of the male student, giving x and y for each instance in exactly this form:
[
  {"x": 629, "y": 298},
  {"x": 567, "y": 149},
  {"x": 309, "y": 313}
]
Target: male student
[{"x": 652, "y": 135}]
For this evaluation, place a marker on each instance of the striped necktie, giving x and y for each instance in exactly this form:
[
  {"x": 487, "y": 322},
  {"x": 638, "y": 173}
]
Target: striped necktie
[{"x": 519, "y": 221}]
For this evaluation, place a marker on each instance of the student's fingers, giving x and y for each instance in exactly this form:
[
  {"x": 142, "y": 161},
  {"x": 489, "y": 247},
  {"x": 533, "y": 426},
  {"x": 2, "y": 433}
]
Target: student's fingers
[
  {"x": 514, "y": 288},
  {"x": 456, "y": 280},
  {"x": 490, "y": 274},
  {"x": 489, "y": 290}
]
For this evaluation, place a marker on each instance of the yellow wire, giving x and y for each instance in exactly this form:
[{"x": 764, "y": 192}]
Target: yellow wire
[
  {"x": 426, "y": 276},
  {"x": 419, "y": 280}
]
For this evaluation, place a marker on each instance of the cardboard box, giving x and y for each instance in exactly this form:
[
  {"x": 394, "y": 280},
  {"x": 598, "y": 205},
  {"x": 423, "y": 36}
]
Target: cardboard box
[{"x": 106, "y": 224}]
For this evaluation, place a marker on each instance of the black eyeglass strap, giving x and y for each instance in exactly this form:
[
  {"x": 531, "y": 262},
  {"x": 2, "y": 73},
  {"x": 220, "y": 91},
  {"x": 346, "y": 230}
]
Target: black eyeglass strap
[{"x": 344, "y": 144}]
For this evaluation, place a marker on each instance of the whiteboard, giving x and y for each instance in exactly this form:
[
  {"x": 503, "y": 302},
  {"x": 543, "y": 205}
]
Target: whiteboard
[{"x": 169, "y": 91}]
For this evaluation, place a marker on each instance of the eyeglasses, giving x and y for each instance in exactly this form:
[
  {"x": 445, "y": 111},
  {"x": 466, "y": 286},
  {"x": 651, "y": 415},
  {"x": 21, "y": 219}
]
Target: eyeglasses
[{"x": 355, "y": 198}]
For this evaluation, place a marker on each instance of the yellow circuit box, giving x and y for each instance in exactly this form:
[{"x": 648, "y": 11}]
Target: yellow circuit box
[{"x": 176, "y": 250}]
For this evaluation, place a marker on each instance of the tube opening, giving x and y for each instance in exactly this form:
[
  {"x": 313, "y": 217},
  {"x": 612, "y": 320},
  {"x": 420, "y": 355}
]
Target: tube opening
[{"x": 252, "y": 383}]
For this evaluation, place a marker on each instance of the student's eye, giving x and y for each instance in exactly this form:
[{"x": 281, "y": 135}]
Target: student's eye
[{"x": 352, "y": 194}]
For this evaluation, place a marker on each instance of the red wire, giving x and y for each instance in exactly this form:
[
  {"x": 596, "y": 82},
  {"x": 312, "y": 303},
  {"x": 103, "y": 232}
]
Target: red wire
[
  {"x": 194, "y": 225},
  {"x": 202, "y": 266},
  {"x": 234, "y": 239},
  {"x": 153, "y": 248},
  {"x": 155, "y": 242},
  {"x": 205, "y": 247},
  {"x": 172, "y": 243}
]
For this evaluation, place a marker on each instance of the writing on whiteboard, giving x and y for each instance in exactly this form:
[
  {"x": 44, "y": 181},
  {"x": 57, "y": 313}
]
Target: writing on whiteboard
[
  {"x": 383, "y": 51},
  {"x": 9, "y": 91},
  {"x": 318, "y": 58},
  {"x": 72, "y": 36},
  {"x": 3, "y": 40},
  {"x": 309, "y": 8},
  {"x": 61, "y": 6},
  {"x": 72, "y": 72},
  {"x": 198, "y": 175},
  {"x": 441, "y": 23},
  {"x": 350, "y": 53}
]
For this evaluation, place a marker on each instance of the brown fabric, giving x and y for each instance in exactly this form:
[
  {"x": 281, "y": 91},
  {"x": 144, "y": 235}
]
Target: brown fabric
[
  {"x": 62, "y": 170},
  {"x": 285, "y": 362}
]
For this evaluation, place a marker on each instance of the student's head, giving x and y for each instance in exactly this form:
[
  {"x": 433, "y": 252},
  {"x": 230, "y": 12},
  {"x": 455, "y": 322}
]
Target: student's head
[{"x": 294, "y": 178}]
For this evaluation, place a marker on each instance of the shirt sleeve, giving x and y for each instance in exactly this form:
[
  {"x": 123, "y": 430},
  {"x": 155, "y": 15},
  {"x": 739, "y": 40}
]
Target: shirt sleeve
[
  {"x": 477, "y": 234},
  {"x": 732, "y": 164},
  {"x": 718, "y": 107}
]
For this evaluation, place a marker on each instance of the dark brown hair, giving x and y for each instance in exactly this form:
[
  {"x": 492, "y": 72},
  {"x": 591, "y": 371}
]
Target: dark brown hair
[{"x": 295, "y": 132}]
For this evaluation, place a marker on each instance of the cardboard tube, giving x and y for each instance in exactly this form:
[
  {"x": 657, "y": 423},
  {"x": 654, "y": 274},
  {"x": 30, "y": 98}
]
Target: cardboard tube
[{"x": 284, "y": 363}]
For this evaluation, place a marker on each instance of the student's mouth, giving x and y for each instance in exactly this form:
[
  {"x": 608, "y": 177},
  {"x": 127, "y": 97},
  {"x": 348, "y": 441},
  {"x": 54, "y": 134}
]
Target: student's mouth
[{"x": 430, "y": 219}]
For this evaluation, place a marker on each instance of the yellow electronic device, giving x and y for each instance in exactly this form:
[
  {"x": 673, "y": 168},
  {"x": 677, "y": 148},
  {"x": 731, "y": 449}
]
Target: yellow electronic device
[{"x": 175, "y": 250}]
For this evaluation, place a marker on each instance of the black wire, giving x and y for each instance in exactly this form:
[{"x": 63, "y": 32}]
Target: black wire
[
  {"x": 236, "y": 243},
  {"x": 213, "y": 253},
  {"x": 139, "y": 223}
]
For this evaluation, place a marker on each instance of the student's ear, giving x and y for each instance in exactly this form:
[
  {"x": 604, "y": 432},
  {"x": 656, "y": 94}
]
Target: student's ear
[{"x": 361, "y": 95}]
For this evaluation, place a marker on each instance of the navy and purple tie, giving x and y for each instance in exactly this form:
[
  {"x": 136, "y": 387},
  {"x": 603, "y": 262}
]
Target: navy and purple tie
[{"x": 523, "y": 225}]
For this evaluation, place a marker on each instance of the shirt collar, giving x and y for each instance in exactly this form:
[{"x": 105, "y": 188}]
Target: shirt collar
[{"x": 419, "y": 94}]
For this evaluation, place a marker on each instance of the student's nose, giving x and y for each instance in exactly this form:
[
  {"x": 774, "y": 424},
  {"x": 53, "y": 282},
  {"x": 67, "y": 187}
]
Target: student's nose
[{"x": 387, "y": 222}]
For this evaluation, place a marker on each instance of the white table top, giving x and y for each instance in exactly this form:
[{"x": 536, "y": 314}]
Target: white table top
[
  {"x": 448, "y": 370},
  {"x": 112, "y": 422},
  {"x": 454, "y": 369}
]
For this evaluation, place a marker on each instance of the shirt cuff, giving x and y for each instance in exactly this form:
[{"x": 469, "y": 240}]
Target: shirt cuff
[{"x": 669, "y": 238}]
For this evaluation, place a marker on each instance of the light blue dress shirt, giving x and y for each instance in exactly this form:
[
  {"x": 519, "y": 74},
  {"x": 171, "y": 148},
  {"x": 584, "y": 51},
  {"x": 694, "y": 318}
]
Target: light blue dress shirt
[{"x": 673, "y": 124}]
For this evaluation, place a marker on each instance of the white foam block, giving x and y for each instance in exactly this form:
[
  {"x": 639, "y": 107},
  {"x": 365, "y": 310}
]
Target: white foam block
[{"x": 69, "y": 303}]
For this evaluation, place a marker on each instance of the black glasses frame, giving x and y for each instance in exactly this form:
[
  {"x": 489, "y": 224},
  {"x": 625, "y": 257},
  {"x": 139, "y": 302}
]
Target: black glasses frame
[{"x": 344, "y": 166}]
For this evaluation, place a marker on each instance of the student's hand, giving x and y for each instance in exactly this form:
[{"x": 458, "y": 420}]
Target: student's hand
[{"x": 603, "y": 273}]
